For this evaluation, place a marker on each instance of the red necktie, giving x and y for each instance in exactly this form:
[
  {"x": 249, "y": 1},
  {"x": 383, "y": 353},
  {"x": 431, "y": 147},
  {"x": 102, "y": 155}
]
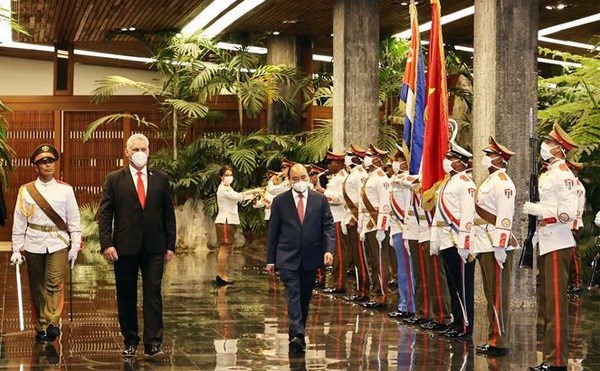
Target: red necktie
[
  {"x": 300, "y": 207},
  {"x": 140, "y": 189}
]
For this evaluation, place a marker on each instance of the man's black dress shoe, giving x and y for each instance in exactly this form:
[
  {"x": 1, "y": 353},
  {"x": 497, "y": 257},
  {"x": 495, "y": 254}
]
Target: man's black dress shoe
[
  {"x": 154, "y": 352},
  {"x": 398, "y": 314},
  {"x": 296, "y": 345},
  {"x": 333, "y": 290},
  {"x": 491, "y": 351},
  {"x": 451, "y": 327},
  {"x": 463, "y": 336},
  {"x": 374, "y": 305},
  {"x": 40, "y": 337},
  {"x": 52, "y": 332},
  {"x": 414, "y": 320},
  {"x": 222, "y": 282},
  {"x": 51, "y": 354},
  {"x": 129, "y": 351},
  {"x": 547, "y": 367}
]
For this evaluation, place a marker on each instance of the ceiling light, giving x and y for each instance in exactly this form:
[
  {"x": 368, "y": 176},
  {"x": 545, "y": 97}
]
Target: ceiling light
[
  {"x": 573, "y": 44},
  {"x": 206, "y": 16},
  {"x": 404, "y": 3},
  {"x": 131, "y": 29},
  {"x": 443, "y": 20},
  {"x": 322, "y": 58},
  {"x": 275, "y": 33},
  {"x": 25, "y": 46},
  {"x": 567, "y": 25},
  {"x": 124, "y": 29},
  {"x": 238, "y": 47},
  {"x": 130, "y": 58},
  {"x": 549, "y": 7},
  {"x": 560, "y": 6},
  {"x": 331, "y": 35},
  {"x": 560, "y": 63},
  {"x": 231, "y": 16},
  {"x": 290, "y": 21}
]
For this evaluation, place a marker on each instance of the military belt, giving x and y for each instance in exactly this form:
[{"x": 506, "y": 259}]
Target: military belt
[
  {"x": 480, "y": 221},
  {"x": 44, "y": 228},
  {"x": 412, "y": 213},
  {"x": 442, "y": 224}
]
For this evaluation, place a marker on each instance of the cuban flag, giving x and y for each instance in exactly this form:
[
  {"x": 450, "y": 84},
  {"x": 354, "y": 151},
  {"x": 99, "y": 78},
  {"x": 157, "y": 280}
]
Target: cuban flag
[{"x": 413, "y": 94}]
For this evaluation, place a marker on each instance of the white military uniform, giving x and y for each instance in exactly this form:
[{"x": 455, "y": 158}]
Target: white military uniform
[
  {"x": 377, "y": 190},
  {"x": 352, "y": 185},
  {"x": 28, "y": 215},
  {"x": 400, "y": 200},
  {"x": 496, "y": 195},
  {"x": 272, "y": 191},
  {"x": 415, "y": 225},
  {"x": 455, "y": 205},
  {"x": 558, "y": 199},
  {"x": 227, "y": 200},
  {"x": 335, "y": 195},
  {"x": 580, "y": 189}
]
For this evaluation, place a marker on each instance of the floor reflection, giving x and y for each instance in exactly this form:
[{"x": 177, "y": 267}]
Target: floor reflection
[{"x": 244, "y": 326}]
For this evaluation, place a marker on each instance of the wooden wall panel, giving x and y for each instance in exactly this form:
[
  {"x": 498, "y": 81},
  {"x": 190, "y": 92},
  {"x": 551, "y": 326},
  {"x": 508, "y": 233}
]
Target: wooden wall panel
[{"x": 28, "y": 129}]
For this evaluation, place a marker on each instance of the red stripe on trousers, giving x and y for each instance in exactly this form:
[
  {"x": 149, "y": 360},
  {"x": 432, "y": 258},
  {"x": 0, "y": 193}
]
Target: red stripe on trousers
[
  {"x": 363, "y": 288},
  {"x": 338, "y": 248},
  {"x": 424, "y": 282},
  {"x": 408, "y": 276},
  {"x": 496, "y": 329},
  {"x": 556, "y": 309}
]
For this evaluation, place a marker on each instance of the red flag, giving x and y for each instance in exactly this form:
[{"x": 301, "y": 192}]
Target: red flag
[{"x": 436, "y": 110}]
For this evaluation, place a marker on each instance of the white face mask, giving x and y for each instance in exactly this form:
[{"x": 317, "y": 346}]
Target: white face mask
[
  {"x": 486, "y": 162},
  {"x": 447, "y": 165},
  {"x": 396, "y": 167},
  {"x": 348, "y": 161},
  {"x": 139, "y": 159},
  {"x": 368, "y": 162},
  {"x": 300, "y": 186},
  {"x": 228, "y": 179},
  {"x": 545, "y": 151}
]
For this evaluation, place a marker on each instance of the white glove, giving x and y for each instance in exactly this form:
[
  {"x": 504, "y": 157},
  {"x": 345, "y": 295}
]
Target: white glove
[
  {"x": 380, "y": 235},
  {"x": 16, "y": 258},
  {"x": 500, "y": 255},
  {"x": 532, "y": 208},
  {"x": 597, "y": 220},
  {"x": 434, "y": 248},
  {"x": 464, "y": 254},
  {"x": 344, "y": 228},
  {"x": 73, "y": 256}
]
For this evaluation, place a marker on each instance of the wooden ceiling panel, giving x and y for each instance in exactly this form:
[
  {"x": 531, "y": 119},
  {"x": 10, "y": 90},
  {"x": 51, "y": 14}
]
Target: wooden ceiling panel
[{"x": 86, "y": 23}]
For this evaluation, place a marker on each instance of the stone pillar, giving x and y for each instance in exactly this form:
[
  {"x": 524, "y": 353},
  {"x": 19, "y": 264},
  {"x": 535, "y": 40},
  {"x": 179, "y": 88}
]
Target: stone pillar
[
  {"x": 505, "y": 92},
  {"x": 283, "y": 50},
  {"x": 355, "y": 72}
]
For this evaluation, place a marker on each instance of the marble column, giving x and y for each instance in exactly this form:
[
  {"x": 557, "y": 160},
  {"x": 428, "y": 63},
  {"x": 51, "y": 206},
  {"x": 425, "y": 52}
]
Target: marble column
[
  {"x": 355, "y": 72},
  {"x": 505, "y": 103}
]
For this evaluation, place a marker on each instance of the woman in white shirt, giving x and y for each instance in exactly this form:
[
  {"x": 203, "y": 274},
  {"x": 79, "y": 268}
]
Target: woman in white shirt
[{"x": 227, "y": 220}]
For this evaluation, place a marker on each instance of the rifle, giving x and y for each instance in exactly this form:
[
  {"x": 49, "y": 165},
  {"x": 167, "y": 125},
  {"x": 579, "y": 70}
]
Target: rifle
[{"x": 526, "y": 259}]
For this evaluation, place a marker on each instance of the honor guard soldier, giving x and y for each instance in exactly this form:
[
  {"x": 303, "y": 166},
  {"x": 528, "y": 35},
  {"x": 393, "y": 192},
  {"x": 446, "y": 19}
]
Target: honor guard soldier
[
  {"x": 556, "y": 211},
  {"x": 278, "y": 183},
  {"x": 351, "y": 193},
  {"x": 374, "y": 223},
  {"x": 335, "y": 197},
  {"x": 451, "y": 236},
  {"x": 315, "y": 174},
  {"x": 46, "y": 227},
  {"x": 400, "y": 199},
  {"x": 493, "y": 242},
  {"x": 576, "y": 283}
]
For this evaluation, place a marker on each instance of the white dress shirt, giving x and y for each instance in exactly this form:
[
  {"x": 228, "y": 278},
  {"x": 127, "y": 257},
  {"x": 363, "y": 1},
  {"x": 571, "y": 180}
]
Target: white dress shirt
[
  {"x": 134, "y": 175},
  {"x": 304, "y": 199}
]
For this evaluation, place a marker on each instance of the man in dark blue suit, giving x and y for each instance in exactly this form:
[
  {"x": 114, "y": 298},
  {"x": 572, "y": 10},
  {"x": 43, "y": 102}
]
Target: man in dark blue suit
[{"x": 301, "y": 238}]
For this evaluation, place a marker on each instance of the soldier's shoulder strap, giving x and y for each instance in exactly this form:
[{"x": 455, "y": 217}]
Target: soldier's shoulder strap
[{"x": 45, "y": 206}]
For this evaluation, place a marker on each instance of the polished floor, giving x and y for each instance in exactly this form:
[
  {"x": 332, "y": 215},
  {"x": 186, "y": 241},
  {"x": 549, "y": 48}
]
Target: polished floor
[{"x": 243, "y": 327}]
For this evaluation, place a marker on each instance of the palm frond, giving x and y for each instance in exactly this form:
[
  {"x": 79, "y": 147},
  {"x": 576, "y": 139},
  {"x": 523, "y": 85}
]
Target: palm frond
[
  {"x": 109, "y": 85},
  {"x": 190, "y": 109},
  {"x": 109, "y": 119}
]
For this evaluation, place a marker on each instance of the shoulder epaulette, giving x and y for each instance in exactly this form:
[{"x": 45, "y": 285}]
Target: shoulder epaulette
[
  {"x": 502, "y": 176},
  {"x": 63, "y": 183},
  {"x": 465, "y": 178},
  {"x": 563, "y": 167},
  {"x": 380, "y": 172}
]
